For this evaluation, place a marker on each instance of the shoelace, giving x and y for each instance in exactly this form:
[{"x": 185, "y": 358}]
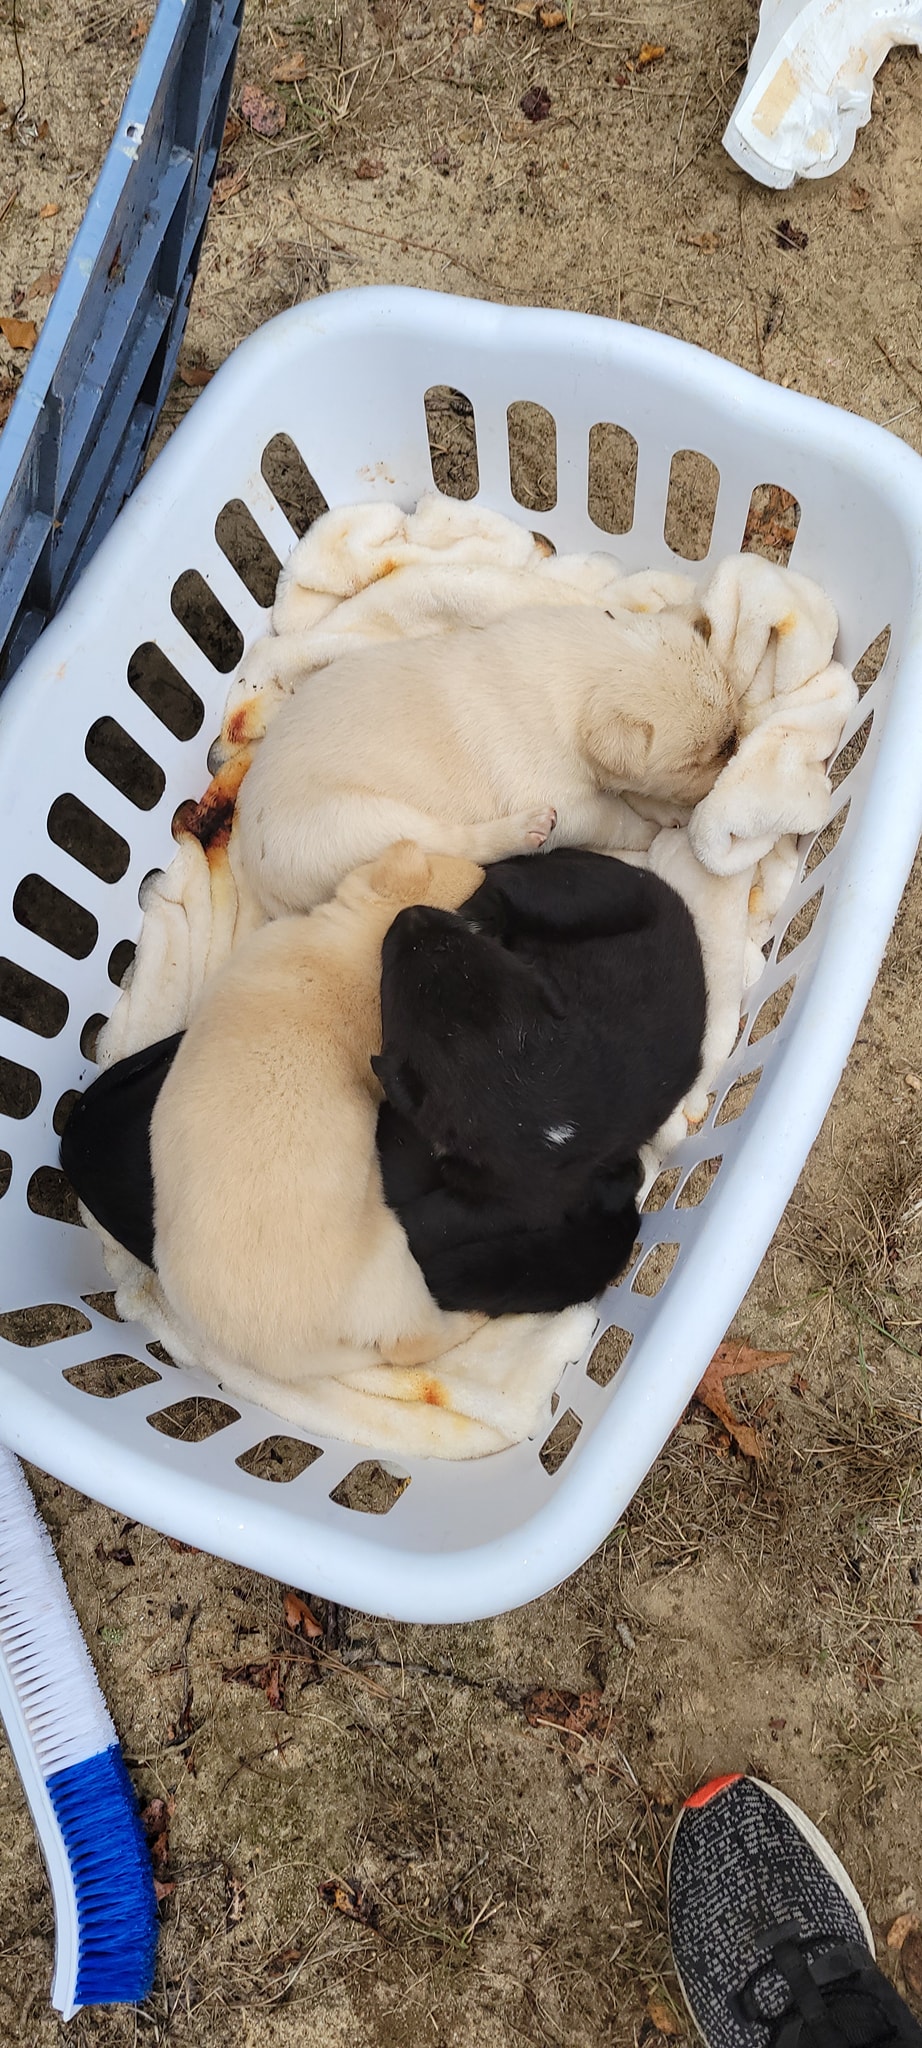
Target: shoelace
[{"x": 846, "y": 1970}]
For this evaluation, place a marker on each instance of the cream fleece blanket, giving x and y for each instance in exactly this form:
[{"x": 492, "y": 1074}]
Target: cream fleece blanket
[{"x": 368, "y": 573}]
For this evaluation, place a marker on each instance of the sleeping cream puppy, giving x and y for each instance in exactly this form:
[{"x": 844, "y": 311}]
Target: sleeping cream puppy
[
  {"x": 477, "y": 742},
  {"x": 272, "y": 1242}
]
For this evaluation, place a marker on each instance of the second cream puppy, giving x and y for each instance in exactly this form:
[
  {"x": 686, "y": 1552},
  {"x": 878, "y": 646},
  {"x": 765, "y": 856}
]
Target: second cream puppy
[
  {"x": 272, "y": 1242},
  {"x": 465, "y": 742}
]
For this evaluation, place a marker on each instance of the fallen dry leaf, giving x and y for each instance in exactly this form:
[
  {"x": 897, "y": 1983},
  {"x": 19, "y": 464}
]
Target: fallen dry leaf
[
  {"x": 911, "y": 1961},
  {"x": 731, "y": 1361},
  {"x": 789, "y": 237},
  {"x": 366, "y": 168},
  {"x": 44, "y": 286},
  {"x": 176, "y": 1543},
  {"x": 140, "y": 28},
  {"x": 7, "y": 395},
  {"x": 707, "y": 241},
  {"x": 869, "y": 1672},
  {"x": 228, "y": 186},
  {"x": 42, "y": 132},
  {"x": 263, "y": 111},
  {"x": 19, "y": 333},
  {"x": 648, "y": 53},
  {"x": 662, "y": 2018},
  {"x": 233, "y": 127},
  {"x": 299, "y": 1618},
  {"x": 48, "y": 212},
  {"x": 343, "y": 1895},
  {"x": 195, "y": 374},
  {"x": 155, "y": 1820},
  {"x": 290, "y": 70},
  {"x": 905, "y": 1923},
  {"x": 551, "y": 17},
  {"x": 268, "y": 1678},
  {"x": 113, "y": 1556},
  {"x": 578, "y": 1716},
  {"x": 857, "y": 198},
  {"x": 536, "y": 103}
]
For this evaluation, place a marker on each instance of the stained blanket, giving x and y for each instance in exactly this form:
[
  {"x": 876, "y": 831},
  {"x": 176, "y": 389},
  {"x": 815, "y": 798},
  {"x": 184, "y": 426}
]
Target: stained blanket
[{"x": 369, "y": 573}]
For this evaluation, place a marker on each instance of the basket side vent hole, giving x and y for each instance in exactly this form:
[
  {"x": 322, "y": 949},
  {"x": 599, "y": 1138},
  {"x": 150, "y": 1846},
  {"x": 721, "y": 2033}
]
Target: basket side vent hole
[
  {"x": 6, "y": 1172},
  {"x": 248, "y": 551},
  {"x": 868, "y": 667},
  {"x": 194, "y": 1420},
  {"x": 738, "y": 1098},
  {"x": 27, "y": 1000},
  {"x": 664, "y": 1185},
  {"x": 825, "y": 841},
  {"x": 691, "y": 503},
  {"x": 90, "y": 1034},
  {"x": 655, "y": 1269},
  {"x": 279, "y": 1459},
  {"x": 369, "y": 1490},
  {"x": 698, "y": 1186},
  {"x": 120, "y": 960},
  {"x": 771, "y": 523},
  {"x": 532, "y": 432},
  {"x": 106, "y": 1378},
  {"x": 206, "y": 621},
  {"x": 849, "y": 756},
  {"x": 612, "y": 477},
  {"x": 114, "y": 754},
  {"x": 452, "y": 435},
  {"x": 801, "y": 926},
  {"x": 559, "y": 1444},
  {"x": 50, "y": 1194},
  {"x": 609, "y": 1355},
  {"x": 771, "y": 1013},
  {"x": 291, "y": 483},
  {"x": 41, "y": 908},
  {"x": 88, "y": 839},
  {"x": 165, "y": 692},
  {"x": 103, "y": 1304},
  {"x": 20, "y": 1089},
  {"x": 46, "y": 1323}
]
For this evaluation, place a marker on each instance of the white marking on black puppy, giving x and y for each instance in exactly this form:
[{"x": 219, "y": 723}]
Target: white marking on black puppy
[{"x": 559, "y": 1134}]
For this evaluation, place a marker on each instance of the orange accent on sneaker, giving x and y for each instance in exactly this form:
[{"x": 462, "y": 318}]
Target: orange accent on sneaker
[{"x": 709, "y": 1791}]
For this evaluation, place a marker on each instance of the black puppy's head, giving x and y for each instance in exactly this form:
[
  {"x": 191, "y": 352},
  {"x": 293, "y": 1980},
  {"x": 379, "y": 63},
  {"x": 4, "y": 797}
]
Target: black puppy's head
[{"x": 458, "y": 1015}]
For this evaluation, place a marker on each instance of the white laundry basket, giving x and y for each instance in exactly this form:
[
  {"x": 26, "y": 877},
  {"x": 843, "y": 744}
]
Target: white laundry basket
[{"x": 346, "y": 378}]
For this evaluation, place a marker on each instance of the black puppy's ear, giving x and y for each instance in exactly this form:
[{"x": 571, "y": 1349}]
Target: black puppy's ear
[{"x": 402, "y": 1085}]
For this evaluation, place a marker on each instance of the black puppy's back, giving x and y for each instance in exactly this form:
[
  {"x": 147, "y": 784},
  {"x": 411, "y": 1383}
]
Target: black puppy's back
[{"x": 533, "y": 1121}]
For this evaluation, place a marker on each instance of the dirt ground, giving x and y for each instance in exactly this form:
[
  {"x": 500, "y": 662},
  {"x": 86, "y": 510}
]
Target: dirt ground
[{"x": 506, "y": 1878}]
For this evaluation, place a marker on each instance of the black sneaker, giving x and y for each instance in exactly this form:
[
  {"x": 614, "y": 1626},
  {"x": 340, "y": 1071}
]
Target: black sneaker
[{"x": 771, "y": 1943}]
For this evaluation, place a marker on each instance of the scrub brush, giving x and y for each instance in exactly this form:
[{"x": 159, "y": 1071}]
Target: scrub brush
[{"x": 68, "y": 1757}]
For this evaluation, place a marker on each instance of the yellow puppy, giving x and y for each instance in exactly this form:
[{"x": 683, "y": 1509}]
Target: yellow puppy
[
  {"x": 465, "y": 741},
  {"x": 273, "y": 1244}
]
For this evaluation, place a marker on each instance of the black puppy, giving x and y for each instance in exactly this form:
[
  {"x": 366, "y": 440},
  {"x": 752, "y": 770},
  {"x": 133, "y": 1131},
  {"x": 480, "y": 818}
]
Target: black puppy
[
  {"x": 533, "y": 1042},
  {"x": 105, "y": 1145}
]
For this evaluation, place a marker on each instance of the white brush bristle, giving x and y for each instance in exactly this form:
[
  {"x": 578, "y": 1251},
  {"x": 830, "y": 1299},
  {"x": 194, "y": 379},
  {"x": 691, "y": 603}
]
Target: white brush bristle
[{"x": 41, "y": 1640}]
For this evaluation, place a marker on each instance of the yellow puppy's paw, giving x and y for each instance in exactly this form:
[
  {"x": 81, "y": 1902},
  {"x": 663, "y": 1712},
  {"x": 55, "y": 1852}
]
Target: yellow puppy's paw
[{"x": 536, "y": 828}]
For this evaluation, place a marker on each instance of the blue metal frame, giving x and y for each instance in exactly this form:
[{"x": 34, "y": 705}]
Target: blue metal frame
[{"x": 87, "y": 406}]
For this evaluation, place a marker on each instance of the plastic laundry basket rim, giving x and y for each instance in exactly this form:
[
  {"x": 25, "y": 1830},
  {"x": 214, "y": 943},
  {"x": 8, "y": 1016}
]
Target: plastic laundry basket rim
[{"x": 524, "y": 1562}]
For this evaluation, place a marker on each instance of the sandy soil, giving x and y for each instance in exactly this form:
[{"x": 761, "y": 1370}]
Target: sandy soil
[{"x": 509, "y": 1877}]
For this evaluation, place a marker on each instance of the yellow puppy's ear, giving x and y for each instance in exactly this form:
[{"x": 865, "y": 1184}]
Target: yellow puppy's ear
[
  {"x": 400, "y": 872},
  {"x": 627, "y": 748}
]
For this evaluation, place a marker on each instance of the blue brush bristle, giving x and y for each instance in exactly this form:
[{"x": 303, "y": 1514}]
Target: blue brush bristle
[{"x": 116, "y": 1908}]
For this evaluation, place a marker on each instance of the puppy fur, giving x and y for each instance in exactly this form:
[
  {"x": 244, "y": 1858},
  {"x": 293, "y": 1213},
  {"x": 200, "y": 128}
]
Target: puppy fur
[
  {"x": 532, "y": 1044},
  {"x": 272, "y": 1242},
  {"x": 473, "y": 743}
]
